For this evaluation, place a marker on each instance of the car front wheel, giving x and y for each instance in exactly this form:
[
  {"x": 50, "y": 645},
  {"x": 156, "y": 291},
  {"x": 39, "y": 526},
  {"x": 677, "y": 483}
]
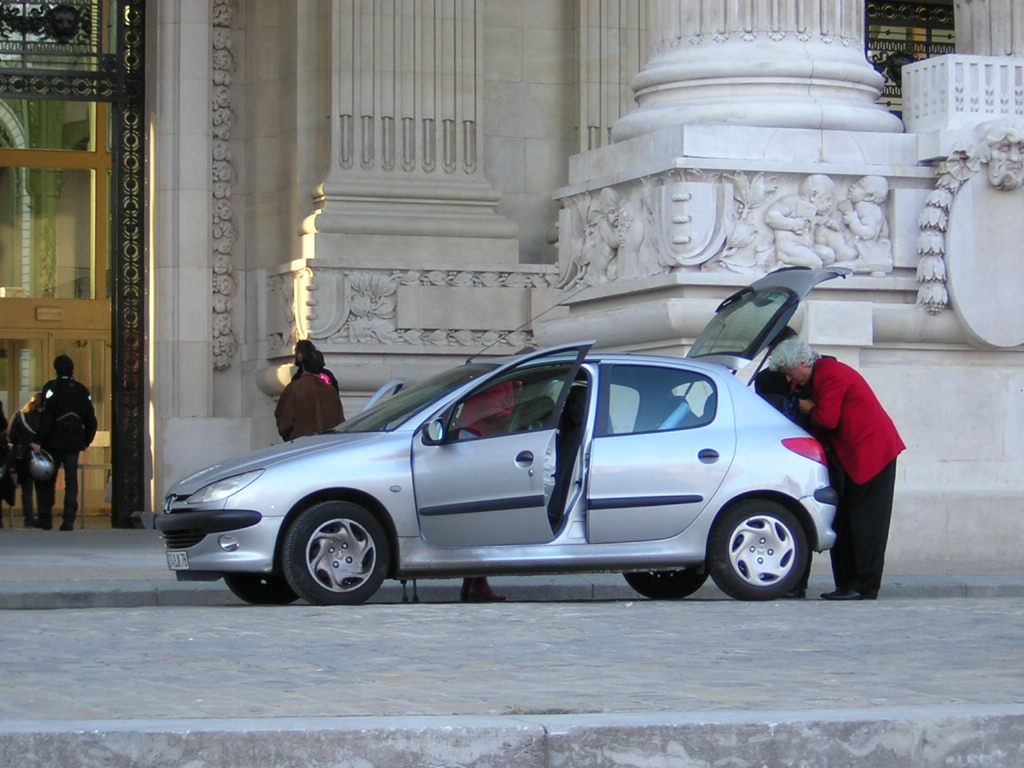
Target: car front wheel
[
  {"x": 758, "y": 551},
  {"x": 261, "y": 588},
  {"x": 667, "y": 585},
  {"x": 335, "y": 553}
]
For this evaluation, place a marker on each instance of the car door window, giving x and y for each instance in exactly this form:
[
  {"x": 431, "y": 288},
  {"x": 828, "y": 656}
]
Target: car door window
[
  {"x": 522, "y": 401},
  {"x": 653, "y": 399}
]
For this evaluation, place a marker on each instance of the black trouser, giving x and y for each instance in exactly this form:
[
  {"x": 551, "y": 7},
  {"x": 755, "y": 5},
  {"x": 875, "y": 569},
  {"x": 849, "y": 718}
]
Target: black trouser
[
  {"x": 862, "y": 532},
  {"x": 47, "y": 491}
]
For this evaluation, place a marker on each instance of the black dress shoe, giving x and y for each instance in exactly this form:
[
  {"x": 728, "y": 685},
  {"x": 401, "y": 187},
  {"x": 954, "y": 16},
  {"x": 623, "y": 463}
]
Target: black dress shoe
[
  {"x": 42, "y": 526},
  {"x": 795, "y": 594},
  {"x": 843, "y": 594}
]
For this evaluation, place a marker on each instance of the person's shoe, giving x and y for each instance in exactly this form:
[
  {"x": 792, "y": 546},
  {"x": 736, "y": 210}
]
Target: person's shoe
[
  {"x": 843, "y": 594},
  {"x": 477, "y": 590},
  {"x": 30, "y": 523},
  {"x": 42, "y": 526},
  {"x": 795, "y": 594},
  {"x": 67, "y": 526}
]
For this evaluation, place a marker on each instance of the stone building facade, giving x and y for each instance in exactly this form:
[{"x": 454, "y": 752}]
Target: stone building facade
[{"x": 408, "y": 183}]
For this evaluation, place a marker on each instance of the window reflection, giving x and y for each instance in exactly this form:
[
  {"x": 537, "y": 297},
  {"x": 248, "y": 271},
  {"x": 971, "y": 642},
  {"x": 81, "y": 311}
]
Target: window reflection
[{"x": 46, "y": 233}]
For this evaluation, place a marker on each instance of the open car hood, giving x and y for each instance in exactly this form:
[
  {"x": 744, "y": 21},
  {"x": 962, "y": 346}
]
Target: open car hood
[{"x": 751, "y": 319}]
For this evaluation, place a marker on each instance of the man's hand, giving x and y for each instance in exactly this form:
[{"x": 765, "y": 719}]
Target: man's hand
[{"x": 806, "y": 406}]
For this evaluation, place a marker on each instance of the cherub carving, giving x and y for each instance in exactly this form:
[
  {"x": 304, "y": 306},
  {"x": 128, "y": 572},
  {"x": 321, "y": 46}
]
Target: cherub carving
[
  {"x": 865, "y": 218},
  {"x": 803, "y": 233}
]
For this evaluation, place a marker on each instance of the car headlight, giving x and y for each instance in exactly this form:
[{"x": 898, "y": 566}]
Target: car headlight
[{"x": 223, "y": 488}]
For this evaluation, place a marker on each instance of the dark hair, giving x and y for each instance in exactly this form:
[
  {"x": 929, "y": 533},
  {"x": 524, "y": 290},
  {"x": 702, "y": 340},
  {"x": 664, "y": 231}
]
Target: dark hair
[
  {"x": 63, "y": 365},
  {"x": 312, "y": 358}
]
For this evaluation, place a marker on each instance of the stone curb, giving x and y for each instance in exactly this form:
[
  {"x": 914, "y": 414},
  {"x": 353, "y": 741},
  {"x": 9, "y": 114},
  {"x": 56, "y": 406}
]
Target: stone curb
[
  {"x": 910, "y": 737},
  {"x": 163, "y": 592}
]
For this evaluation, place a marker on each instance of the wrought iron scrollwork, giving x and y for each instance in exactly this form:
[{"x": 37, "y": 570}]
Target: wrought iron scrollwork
[
  {"x": 901, "y": 33},
  {"x": 69, "y": 29}
]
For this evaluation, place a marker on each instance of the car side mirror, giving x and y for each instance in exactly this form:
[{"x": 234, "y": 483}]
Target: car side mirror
[{"x": 434, "y": 433}]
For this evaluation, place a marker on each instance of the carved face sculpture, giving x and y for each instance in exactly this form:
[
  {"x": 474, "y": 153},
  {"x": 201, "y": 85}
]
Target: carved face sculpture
[
  {"x": 1006, "y": 163},
  {"x": 873, "y": 189},
  {"x": 818, "y": 189}
]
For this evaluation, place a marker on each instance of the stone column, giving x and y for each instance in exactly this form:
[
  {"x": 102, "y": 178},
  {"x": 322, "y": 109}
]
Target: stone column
[
  {"x": 990, "y": 27},
  {"x": 406, "y": 126},
  {"x": 773, "y": 63},
  {"x": 612, "y": 47},
  {"x": 405, "y": 260}
]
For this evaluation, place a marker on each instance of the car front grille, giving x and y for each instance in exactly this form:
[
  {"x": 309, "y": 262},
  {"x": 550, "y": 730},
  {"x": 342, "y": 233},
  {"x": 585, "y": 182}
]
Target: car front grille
[{"x": 183, "y": 538}]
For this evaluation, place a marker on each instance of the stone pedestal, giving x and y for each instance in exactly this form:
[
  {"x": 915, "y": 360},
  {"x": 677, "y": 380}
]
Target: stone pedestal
[
  {"x": 405, "y": 256},
  {"x": 756, "y": 144}
]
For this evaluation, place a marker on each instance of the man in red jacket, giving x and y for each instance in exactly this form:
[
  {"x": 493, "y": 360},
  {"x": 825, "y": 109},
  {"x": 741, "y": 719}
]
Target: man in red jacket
[{"x": 845, "y": 414}]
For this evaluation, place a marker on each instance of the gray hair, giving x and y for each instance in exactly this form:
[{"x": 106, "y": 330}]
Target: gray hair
[{"x": 792, "y": 353}]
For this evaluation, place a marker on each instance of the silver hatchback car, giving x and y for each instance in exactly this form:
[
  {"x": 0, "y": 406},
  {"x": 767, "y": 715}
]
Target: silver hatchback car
[{"x": 563, "y": 460}]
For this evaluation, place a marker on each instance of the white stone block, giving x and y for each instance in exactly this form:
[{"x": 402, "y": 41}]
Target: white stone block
[
  {"x": 960, "y": 91},
  {"x": 840, "y": 323},
  {"x": 190, "y": 444},
  {"x": 907, "y": 204},
  {"x": 475, "y": 308}
]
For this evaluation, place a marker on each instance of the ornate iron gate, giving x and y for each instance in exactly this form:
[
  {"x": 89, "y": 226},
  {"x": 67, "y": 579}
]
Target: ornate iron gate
[
  {"x": 92, "y": 50},
  {"x": 901, "y": 33}
]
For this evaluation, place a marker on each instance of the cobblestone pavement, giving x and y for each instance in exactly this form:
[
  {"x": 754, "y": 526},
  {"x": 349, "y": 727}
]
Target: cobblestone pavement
[{"x": 512, "y": 658}]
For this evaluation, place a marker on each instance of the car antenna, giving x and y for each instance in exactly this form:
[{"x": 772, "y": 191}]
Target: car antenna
[{"x": 506, "y": 334}]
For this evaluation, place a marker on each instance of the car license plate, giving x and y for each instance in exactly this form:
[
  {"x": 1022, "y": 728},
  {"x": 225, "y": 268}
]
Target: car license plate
[{"x": 177, "y": 561}]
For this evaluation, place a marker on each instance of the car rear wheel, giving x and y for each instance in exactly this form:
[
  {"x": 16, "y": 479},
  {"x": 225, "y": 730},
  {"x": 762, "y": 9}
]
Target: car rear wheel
[
  {"x": 261, "y": 588},
  {"x": 335, "y": 553},
  {"x": 758, "y": 551},
  {"x": 667, "y": 585}
]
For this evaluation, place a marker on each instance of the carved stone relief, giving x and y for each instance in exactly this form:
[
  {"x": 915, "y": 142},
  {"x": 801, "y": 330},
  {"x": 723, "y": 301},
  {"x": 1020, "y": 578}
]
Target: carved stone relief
[
  {"x": 343, "y": 306},
  {"x": 724, "y": 221},
  {"x": 999, "y": 148},
  {"x": 225, "y": 234}
]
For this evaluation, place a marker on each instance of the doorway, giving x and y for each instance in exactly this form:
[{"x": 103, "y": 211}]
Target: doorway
[
  {"x": 73, "y": 155},
  {"x": 54, "y": 265}
]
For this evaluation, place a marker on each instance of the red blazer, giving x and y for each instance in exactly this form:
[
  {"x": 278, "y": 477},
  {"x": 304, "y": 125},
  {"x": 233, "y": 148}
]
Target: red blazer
[{"x": 852, "y": 420}]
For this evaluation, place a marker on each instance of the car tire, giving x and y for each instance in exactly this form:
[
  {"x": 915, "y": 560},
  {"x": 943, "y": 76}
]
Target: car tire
[
  {"x": 335, "y": 553},
  {"x": 261, "y": 588},
  {"x": 758, "y": 551},
  {"x": 667, "y": 585}
]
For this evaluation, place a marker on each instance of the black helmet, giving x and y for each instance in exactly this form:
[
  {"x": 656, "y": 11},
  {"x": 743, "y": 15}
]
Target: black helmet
[{"x": 40, "y": 465}]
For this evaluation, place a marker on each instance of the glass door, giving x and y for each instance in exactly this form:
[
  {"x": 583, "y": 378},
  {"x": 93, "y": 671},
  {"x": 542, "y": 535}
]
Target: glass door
[
  {"x": 26, "y": 364},
  {"x": 55, "y": 264}
]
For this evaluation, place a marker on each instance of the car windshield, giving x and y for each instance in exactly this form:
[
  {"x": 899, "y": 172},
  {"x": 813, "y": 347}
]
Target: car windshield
[{"x": 389, "y": 414}]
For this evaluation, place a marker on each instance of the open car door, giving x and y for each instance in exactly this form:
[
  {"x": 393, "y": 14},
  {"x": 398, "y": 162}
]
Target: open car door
[
  {"x": 751, "y": 319},
  {"x": 483, "y": 469}
]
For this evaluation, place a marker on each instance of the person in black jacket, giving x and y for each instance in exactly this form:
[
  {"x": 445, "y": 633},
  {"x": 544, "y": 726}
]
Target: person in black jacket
[
  {"x": 6, "y": 484},
  {"x": 66, "y": 428},
  {"x": 22, "y": 432}
]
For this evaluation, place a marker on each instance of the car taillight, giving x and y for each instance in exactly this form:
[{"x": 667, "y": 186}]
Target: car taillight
[{"x": 807, "y": 447}]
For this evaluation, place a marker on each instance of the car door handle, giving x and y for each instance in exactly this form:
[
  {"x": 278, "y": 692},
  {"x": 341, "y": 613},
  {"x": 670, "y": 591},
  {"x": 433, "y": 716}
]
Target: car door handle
[
  {"x": 708, "y": 456},
  {"x": 524, "y": 459}
]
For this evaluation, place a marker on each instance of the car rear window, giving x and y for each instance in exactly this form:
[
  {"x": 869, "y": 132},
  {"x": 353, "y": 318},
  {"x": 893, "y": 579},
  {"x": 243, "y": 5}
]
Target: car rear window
[{"x": 653, "y": 399}]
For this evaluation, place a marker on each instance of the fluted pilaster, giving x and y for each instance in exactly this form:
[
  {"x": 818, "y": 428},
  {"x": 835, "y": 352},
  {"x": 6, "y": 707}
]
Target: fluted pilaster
[
  {"x": 776, "y": 63},
  {"x": 406, "y": 123},
  {"x": 990, "y": 27}
]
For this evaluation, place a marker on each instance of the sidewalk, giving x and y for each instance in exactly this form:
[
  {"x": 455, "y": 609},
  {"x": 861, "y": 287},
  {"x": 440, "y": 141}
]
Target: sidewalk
[
  {"x": 107, "y": 568},
  {"x": 609, "y": 680}
]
